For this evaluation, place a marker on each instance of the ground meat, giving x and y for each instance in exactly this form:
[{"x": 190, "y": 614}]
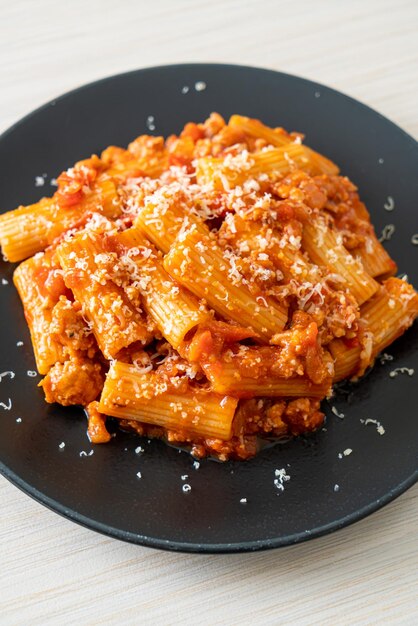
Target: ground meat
[
  {"x": 77, "y": 381},
  {"x": 97, "y": 430},
  {"x": 303, "y": 415},
  {"x": 69, "y": 328},
  {"x": 256, "y": 421}
]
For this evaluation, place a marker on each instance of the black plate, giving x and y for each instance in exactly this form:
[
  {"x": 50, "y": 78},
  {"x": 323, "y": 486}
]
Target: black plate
[{"x": 103, "y": 491}]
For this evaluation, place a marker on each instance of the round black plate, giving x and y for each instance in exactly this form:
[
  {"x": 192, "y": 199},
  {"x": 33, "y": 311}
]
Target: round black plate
[{"x": 102, "y": 491}]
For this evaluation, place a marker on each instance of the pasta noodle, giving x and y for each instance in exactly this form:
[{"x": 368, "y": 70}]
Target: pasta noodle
[
  {"x": 278, "y": 138},
  {"x": 275, "y": 162},
  {"x": 199, "y": 264},
  {"x": 115, "y": 322},
  {"x": 174, "y": 310},
  {"x": 30, "y": 229},
  {"x": 128, "y": 394},
  {"x": 207, "y": 289},
  {"x": 386, "y": 316},
  {"x": 324, "y": 248},
  {"x": 39, "y": 298}
]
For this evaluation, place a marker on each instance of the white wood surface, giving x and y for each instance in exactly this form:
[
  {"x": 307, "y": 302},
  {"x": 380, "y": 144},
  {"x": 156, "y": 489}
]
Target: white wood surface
[{"x": 54, "y": 572}]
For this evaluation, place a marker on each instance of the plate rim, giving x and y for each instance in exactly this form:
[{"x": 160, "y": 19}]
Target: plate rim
[
  {"x": 206, "y": 548},
  {"x": 193, "y": 547},
  {"x": 232, "y": 66}
]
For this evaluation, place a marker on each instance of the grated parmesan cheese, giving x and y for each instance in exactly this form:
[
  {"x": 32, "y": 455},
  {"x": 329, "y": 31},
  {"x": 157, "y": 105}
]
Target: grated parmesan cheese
[
  {"x": 7, "y": 406},
  {"x": 337, "y": 413},
  {"x": 387, "y": 233},
  {"x": 281, "y": 477},
  {"x": 378, "y": 425},
  {"x": 402, "y": 370},
  {"x": 389, "y": 204},
  {"x": 383, "y": 358},
  {"x": 345, "y": 452},
  {"x": 150, "y": 122},
  {"x": 8, "y": 373}
]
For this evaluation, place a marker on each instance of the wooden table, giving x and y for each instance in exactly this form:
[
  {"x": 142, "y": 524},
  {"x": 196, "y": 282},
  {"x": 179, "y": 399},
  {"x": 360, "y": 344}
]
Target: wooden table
[{"x": 54, "y": 572}]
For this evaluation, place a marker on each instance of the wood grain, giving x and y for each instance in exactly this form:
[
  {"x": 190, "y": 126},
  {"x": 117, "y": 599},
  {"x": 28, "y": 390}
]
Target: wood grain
[{"x": 54, "y": 572}]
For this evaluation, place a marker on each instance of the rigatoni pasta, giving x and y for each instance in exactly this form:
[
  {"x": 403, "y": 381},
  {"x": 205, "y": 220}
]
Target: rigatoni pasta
[
  {"x": 233, "y": 171},
  {"x": 39, "y": 299},
  {"x": 279, "y": 137},
  {"x": 30, "y": 229},
  {"x": 207, "y": 289},
  {"x": 174, "y": 309},
  {"x": 115, "y": 321},
  {"x": 129, "y": 394},
  {"x": 196, "y": 261},
  {"x": 325, "y": 248},
  {"x": 385, "y": 317}
]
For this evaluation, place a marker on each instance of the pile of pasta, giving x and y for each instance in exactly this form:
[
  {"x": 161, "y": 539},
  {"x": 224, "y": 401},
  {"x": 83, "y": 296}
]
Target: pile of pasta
[{"x": 207, "y": 289}]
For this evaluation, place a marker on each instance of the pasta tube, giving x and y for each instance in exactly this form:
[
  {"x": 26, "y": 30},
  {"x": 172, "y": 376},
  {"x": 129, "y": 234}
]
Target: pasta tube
[
  {"x": 115, "y": 322},
  {"x": 324, "y": 248},
  {"x": 278, "y": 137},
  {"x": 128, "y": 394},
  {"x": 227, "y": 173},
  {"x": 386, "y": 317},
  {"x": 39, "y": 283},
  {"x": 174, "y": 309},
  {"x": 198, "y": 263},
  {"x": 30, "y": 229}
]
